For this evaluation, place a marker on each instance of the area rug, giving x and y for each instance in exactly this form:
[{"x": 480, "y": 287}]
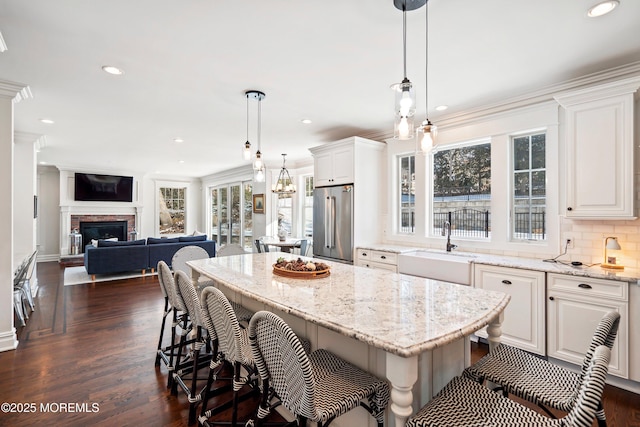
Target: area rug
[{"x": 78, "y": 275}]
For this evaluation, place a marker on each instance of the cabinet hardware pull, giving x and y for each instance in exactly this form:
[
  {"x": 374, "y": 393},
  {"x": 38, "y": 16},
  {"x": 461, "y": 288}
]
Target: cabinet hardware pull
[
  {"x": 569, "y": 208},
  {"x": 364, "y": 254},
  {"x": 584, "y": 286},
  {"x": 551, "y": 298},
  {"x": 383, "y": 257},
  {"x": 506, "y": 282}
]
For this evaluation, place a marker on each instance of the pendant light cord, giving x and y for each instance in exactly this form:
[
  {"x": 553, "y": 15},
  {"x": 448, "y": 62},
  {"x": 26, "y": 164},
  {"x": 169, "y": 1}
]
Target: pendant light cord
[
  {"x": 426, "y": 62},
  {"x": 259, "y": 122},
  {"x": 404, "y": 38},
  {"x": 247, "y": 96}
]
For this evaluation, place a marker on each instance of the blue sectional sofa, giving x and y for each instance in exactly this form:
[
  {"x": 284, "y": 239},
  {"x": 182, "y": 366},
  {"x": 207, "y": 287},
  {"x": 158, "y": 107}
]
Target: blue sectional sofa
[{"x": 118, "y": 257}]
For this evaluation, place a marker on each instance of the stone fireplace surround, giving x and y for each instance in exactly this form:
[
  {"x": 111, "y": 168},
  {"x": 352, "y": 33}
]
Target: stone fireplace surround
[{"x": 71, "y": 216}]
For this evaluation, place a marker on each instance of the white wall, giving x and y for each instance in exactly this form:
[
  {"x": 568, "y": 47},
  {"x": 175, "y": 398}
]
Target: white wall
[
  {"x": 48, "y": 222},
  {"x": 24, "y": 187}
]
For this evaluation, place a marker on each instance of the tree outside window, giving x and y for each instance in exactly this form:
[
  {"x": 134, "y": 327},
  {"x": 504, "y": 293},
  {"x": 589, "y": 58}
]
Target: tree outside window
[
  {"x": 462, "y": 190},
  {"x": 172, "y": 212}
]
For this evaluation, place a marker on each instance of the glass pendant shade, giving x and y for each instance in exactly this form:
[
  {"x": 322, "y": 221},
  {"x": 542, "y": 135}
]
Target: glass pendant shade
[
  {"x": 246, "y": 152},
  {"x": 405, "y": 109},
  {"x": 257, "y": 163},
  {"x": 426, "y": 136}
]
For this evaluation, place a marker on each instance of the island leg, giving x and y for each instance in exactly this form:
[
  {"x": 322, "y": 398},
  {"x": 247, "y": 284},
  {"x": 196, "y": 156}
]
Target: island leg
[
  {"x": 195, "y": 277},
  {"x": 402, "y": 373},
  {"x": 494, "y": 331}
]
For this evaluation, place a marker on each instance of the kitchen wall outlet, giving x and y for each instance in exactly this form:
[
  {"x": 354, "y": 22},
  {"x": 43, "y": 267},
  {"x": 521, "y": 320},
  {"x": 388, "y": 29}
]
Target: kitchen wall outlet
[{"x": 569, "y": 242}]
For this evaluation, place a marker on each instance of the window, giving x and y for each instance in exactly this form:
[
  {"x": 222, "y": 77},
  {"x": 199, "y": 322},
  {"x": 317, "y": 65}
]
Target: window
[
  {"x": 307, "y": 211},
  {"x": 462, "y": 190},
  {"x": 171, "y": 208},
  {"x": 407, "y": 181},
  {"x": 232, "y": 214},
  {"x": 529, "y": 187},
  {"x": 285, "y": 212}
]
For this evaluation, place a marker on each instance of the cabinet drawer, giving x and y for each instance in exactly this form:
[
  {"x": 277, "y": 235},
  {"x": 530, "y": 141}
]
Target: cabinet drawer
[
  {"x": 378, "y": 256},
  {"x": 588, "y": 287},
  {"x": 378, "y": 265}
]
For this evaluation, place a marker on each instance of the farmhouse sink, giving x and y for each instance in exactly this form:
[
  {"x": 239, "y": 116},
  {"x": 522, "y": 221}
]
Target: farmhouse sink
[{"x": 445, "y": 266}]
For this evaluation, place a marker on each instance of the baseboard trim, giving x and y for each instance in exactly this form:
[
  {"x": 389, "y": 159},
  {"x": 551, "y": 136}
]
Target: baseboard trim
[{"x": 8, "y": 340}]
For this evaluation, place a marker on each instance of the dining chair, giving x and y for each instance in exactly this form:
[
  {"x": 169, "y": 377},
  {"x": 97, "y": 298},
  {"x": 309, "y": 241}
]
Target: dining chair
[
  {"x": 317, "y": 387},
  {"x": 302, "y": 246},
  {"x": 24, "y": 283},
  {"x": 536, "y": 380},
  {"x": 465, "y": 402},
  {"x": 258, "y": 245},
  {"x": 190, "y": 253}
]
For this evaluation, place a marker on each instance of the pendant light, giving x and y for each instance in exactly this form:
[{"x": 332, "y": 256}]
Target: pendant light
[
  {"x": 405, "y": 99},
  {"x": 258, "y": 164},
  {"x": 284, "y": 184},
  {"x": 246, "y": 152},
  {"x": 427, "y": 131}
]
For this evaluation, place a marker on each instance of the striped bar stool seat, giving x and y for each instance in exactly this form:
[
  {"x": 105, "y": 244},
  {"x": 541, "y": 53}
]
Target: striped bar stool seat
[
  {"x": 543, "y": 383},
  {"x": 318, "y": 387},
  {"x": 465, "y": 402}
]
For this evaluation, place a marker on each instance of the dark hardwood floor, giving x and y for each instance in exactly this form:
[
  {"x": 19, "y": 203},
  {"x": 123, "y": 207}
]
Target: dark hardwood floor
[{"x": 95, "y": 344}]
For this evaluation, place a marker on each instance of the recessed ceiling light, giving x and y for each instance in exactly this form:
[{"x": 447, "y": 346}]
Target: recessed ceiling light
[
  {"x": 602, "y": 8},
  {"x": 442, "y": 107},
  {"x": 178, "y": 140},
  {"x": 43, "y": 163},
  {"x": 306, "y": 121},
  {"x": 180, "y": 161},
  {"x": 112, "y": 70},
  {"x": 47, "y": 121}
]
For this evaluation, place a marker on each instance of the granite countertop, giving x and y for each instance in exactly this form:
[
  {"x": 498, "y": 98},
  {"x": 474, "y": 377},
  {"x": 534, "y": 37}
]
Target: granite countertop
[
  {"x": 401, "y": 314},
  {"x": 630, "y": 275}
]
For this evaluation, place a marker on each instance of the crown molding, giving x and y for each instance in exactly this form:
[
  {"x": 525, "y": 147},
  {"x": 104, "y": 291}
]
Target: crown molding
[
  {"x": 14, "y": 90},
  {"x": 542, "y": 95}
]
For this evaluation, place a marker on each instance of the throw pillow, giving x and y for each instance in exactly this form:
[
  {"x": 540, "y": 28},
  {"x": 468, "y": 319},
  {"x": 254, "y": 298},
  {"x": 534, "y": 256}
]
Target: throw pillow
[
  {"x": 198, "y": 233},
  {"x": 111, "y": 243},
  {"x": 94, "y": 242}
]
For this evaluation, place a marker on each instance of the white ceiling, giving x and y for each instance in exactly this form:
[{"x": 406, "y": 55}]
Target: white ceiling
[{"x": 188, "y": 63}]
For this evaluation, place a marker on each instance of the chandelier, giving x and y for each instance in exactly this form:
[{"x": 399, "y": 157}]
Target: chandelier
[{"x": 284, "y": 184}]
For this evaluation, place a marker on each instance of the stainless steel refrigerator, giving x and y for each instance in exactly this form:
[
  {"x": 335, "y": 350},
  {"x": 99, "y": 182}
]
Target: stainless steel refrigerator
[{"x": 333, "y": 223}]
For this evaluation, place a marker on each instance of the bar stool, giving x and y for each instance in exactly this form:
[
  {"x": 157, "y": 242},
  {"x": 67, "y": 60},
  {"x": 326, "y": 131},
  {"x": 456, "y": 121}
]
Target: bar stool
[
  {"x": 464, "y": 402},
  {"x": 318, "y": 387},
  {"x": 541, "y": 382}
]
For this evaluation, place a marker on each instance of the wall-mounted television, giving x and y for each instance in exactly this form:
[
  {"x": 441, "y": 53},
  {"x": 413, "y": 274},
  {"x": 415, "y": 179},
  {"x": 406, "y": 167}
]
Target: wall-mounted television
[{"x": 103, "y": 188}]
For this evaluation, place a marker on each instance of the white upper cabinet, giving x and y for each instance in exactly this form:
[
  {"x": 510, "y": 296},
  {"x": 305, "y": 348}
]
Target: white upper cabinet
[
  {"x": 598, "y": 139},
  {"x": 334, "y": 167}
]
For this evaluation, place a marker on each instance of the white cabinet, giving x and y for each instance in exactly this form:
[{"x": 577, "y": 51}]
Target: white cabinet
[
  {"x": 334, "y": 167},
  {"x": 598, "y": 139},
  {"x": 575, "y": 306},
  {"x": 377, "y": 259},
  {"x": 524, "y": 317},
  {"x": 356, "y": 161}
]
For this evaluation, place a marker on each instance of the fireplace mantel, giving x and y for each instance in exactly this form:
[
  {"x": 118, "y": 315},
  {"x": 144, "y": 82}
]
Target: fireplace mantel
[{"x": 86, "y": 211}]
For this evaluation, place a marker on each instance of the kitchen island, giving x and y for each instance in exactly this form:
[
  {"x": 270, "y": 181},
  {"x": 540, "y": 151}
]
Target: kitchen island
[{"x": 411, "y": 330}]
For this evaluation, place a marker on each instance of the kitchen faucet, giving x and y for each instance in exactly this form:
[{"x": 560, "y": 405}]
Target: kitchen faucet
[{"x": 446, "y": 228}]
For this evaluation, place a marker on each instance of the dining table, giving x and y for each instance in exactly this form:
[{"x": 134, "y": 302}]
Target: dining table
[
  {"x": 411, "y": 330},
  {"x": 285, "y": 245}
]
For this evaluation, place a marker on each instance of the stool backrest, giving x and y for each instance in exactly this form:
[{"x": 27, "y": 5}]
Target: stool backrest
[
  {"x": 218, "y": 311},
  {"x": 280, "y": 358},
  {"x": 590, "y": 393},
  {"x": 605, "y": 334},
  {"x": 166, "y": 276},
  {"x": 190, "y": 298}
]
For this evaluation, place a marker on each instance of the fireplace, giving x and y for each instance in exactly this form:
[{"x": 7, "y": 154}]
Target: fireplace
[{"x": 102, "y": 230}]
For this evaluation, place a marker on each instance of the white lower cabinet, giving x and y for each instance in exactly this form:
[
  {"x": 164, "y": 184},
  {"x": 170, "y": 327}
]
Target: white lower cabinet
[
  {"x": 524, "y": 318},
  {"x": 575, "y": 305},
  {"x": 377, "y": 259}
]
